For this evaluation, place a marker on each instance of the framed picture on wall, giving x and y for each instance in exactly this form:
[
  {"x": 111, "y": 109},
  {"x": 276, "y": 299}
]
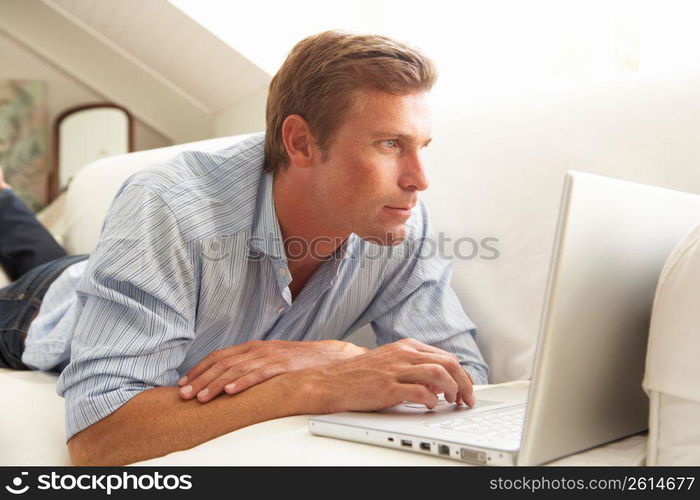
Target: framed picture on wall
[{"x": 24, "y": 152}]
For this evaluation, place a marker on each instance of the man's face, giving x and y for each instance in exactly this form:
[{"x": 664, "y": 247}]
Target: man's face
[{"x": 373, "y": 171}]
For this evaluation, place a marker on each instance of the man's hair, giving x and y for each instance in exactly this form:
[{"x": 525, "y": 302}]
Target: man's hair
[{"x": 323, "y": 75}]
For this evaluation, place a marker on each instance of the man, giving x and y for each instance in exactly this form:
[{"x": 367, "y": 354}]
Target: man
[{"x": 222, "y": 284}]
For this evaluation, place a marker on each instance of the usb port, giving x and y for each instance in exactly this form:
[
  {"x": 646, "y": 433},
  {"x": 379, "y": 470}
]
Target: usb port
[
  {"x": 406, "y": 442},
  {"x": 425, "y": 446}
]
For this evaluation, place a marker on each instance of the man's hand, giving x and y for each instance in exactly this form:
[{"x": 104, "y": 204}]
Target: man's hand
[
  {"x": 235, "y": 369},
  {"x": 406, "y": 370}
]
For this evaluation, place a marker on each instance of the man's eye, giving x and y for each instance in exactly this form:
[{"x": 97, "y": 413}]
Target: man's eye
[{"x": 391, "y": 143}]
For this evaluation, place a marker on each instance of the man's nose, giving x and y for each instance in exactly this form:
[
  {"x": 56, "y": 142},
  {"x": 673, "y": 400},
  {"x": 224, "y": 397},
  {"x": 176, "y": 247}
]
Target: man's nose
[{"x": 414, "y": 177}]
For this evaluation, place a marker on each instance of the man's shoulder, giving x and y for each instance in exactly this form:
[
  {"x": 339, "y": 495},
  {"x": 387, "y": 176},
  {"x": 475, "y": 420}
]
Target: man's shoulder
[{"x": 209, "y": 193}]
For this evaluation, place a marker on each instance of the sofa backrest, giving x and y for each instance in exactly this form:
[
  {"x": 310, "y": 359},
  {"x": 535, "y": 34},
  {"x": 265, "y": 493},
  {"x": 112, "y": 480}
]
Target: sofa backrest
[{"x": 496, "y": 168}]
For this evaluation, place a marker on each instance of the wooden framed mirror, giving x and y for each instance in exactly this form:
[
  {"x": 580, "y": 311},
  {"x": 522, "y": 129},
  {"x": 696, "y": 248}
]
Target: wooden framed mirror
[{"x": 83, "y": 134}]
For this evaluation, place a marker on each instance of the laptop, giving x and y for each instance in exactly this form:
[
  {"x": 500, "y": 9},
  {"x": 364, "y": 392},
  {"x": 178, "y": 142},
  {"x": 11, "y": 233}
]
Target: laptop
[{"x": 612, "y": 240}]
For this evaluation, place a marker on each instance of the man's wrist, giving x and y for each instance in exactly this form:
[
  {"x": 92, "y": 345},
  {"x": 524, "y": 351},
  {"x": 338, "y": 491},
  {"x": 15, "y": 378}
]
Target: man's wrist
[
  {"x": 342, "y": 345},
  {"x": 306, "y": 391}
]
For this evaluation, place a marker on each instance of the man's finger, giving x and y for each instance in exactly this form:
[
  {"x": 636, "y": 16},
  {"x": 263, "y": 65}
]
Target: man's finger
[
  {"x": 418, "y": 393},
  {"x": 434, "y": 377},
  {"x": 244, "y": 363},
  {"x": 206, "y": 363},
  {"x": 454, "y": 368},
  {"x": 253, "y": 378},
  {"x": 250, "y": 364},
  {"x": 235, "y": 376}
]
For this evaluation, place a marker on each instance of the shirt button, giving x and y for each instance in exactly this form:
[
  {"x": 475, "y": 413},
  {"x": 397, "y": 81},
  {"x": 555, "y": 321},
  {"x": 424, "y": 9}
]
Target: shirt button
[
  {"x": 283, "y": 272},
  {"x": 280, "y": 309}
]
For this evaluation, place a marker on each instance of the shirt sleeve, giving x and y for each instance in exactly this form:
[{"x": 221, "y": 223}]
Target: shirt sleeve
[
  {"x": 418, "y": 302},
  {"x": 137, "y": 307}
]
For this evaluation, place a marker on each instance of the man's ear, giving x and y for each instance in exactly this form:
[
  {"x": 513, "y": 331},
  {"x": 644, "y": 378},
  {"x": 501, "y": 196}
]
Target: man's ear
[{"x": 298, "y": 140}]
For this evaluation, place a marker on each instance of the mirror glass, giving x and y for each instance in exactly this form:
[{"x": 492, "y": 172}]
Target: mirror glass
[{"x": 89, "y": 134}]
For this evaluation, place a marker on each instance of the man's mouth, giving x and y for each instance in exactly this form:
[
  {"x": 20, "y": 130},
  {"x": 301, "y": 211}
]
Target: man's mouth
[{"x": 403, "y": 210}]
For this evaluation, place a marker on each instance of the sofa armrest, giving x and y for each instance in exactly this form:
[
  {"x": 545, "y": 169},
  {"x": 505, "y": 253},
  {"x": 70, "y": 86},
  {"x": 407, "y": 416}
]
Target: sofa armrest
[{"x": 672, "y": 372}]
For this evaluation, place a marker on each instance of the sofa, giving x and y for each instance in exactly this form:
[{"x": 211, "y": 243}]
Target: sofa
[{"x": 496, "y": 168}]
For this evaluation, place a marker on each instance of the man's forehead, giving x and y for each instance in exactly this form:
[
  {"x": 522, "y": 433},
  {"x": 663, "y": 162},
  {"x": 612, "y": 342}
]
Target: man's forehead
[{"x": 376, "y": 113}]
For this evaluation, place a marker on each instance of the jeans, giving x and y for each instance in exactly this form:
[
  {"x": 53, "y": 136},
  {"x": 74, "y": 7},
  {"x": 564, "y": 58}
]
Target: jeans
[
  {"x": 24, "y": 243},
  {"x": 29, "y": 255}
]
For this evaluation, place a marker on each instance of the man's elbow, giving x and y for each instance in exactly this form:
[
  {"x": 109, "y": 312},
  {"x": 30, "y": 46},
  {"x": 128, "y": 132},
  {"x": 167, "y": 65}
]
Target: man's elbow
[
  {"x": 78, "y": 451},
  {"x": 82, "y": 452},
  {"x": 85, "y": 449}
]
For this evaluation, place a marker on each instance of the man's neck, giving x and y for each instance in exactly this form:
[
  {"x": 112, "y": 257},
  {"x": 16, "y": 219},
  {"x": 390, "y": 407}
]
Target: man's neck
[{"x": 298, "y": 223}]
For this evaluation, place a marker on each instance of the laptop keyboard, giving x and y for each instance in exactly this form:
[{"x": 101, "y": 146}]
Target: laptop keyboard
[{"x": 501, "y": 428}]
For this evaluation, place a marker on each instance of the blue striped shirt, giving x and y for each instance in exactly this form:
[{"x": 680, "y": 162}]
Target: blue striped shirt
[
  {"x": 191, "y": 259},
  {"x": 47, "y": 346}
]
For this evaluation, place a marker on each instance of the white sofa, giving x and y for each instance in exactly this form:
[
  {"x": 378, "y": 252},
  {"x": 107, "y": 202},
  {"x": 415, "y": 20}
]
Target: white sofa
[{"x": 496, "y": 169}]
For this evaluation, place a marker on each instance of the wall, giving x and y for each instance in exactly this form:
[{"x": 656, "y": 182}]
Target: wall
[
  {"x": 245, "y": 116},
  {"x": 63, "y": 91}
]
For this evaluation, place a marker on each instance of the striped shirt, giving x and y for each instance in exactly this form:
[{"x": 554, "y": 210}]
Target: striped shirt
[
  {"x": 47, "y": 346},
  {"x": 191, "y": 260}
]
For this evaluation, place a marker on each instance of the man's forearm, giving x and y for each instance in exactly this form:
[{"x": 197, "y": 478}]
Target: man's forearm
[{"x": 157, "y": 421}]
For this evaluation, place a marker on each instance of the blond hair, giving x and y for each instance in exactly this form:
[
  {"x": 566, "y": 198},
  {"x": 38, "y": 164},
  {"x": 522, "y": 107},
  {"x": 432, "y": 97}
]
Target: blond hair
[{"x": 322, "y": 76}]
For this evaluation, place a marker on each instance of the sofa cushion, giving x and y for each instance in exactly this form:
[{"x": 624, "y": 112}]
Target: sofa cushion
[
  {"x": 31, "y": 433},
  {"x": 31, "y": 423}
]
